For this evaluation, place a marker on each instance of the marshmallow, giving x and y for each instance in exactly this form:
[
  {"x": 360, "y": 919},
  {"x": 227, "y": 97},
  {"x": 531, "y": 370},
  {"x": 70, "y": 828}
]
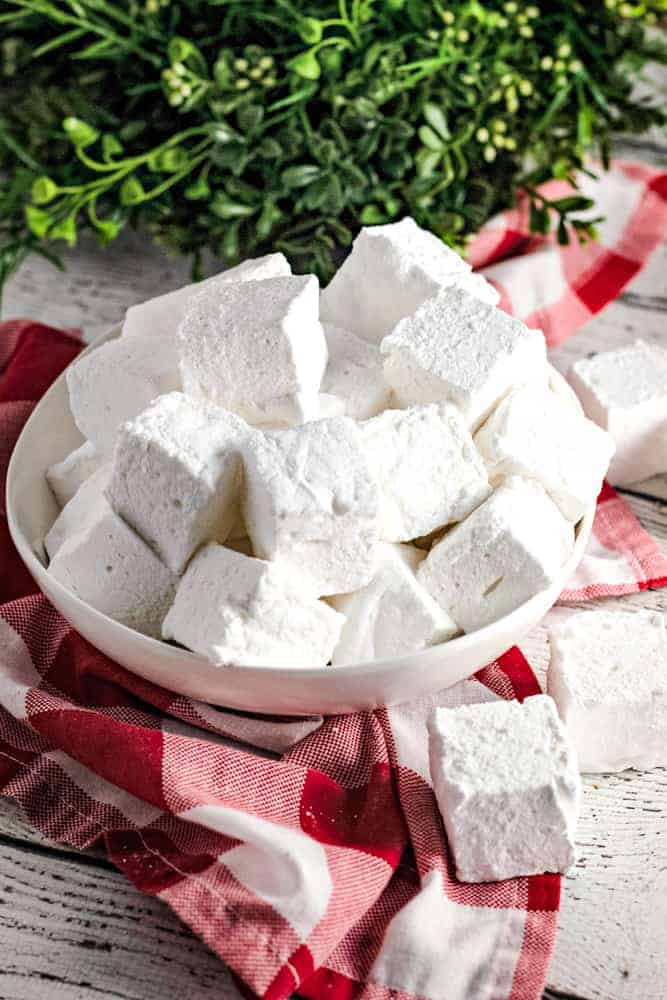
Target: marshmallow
[
  {"x": 354, "y": 374},
  {"x": 506, "y": 782},
  {"x": 311, "y": 503},
  {"x": 87, "y": 504},
  {"x": 392, "y": 615},
  {"x": 460, "y": 349},
  {"x": 161, "y": 316},
  {"x": 607, "y": 677},
  {"x": 477, "y": 285},
  {"x": 330, "y": 406},
  {"x": 427, "y": 467},
  {"x": 176, "y": 475},
  {"x": 116, "y": 381},
  {"x": 389, "y": 272},
  {"x": 65, "y": 477},
  {"x": 256, "y": 348},
  {"x": 108, "y": 566},
  {"x": 536, "y": 434},
  {"x": 237, "y": 610},
  {"x": 507, "y": 550},
  {"x": 625, "y": 392}
]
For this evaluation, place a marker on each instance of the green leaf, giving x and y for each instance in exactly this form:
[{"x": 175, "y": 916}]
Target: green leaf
[
  {"x": 573, "y": 203},
  {"x": 39, "y": 221},
  {"x": 198, "y": 190},
  {"x": 80, "y": 133},
  {"x": 108, "y": 230},
  {"x": 562, "y": 234},
  {"x": 430, "y": 138},
  {"x": 372, "y": 215},
  {"x": 249, "y": 117},
  {"x": 305, "y": 65},
  {"x": 436, "y": 119},
  {"x": 224, "y": 208},
  {"x": 43, "y": 190},
  {"x": 131, "y": 191},
  {"x": 169, "y": 161},
  {"x": 427, "y": 161},
  {"x": 181, "y": 50},
  {"x": 65, "y": 230},
  {"x": 110, "y": 146},
  {"x": 310, "y": 30},
  {"x": 300, "y": 176}
]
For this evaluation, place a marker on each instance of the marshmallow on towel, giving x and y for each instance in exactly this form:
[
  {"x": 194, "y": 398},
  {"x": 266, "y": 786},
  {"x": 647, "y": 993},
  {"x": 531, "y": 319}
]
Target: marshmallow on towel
[
  {"x": 460, "y": 349},
  {"x": 389, "y": 272},
  {"x": 608, "y": 678},
  {"x": 506, "y": 551},
  {"x": 537, "y": 434},
  {"x": 67, "y": 476},
  {"x": 176, "y": 475},
  {"x": 428, "y": 470},
  {"x": 234, "y": 609},
  {"x": 160, "y": 316},
  {"x": 393, "y": 614},
  {"x": 354, "y": 374},
  {"x": 625, "y": 392},
  {"x": 311, "y": 503},
  {"x": 116, "y": 381},
  {"x": 506, "y": 782},
  {"x": 257, "y": 348},
  {"x": 83, "y": 509},
  {"x": 109, "y": 567}
]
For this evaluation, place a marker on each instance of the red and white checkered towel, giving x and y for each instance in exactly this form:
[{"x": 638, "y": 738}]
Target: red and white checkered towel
[{"x": 325, "y": 871}]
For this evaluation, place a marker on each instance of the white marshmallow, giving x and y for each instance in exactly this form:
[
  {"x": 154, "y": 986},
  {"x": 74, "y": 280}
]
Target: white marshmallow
[
  {"x": 109, "y": 567},
  {"x": 427, "y": 468},
  {"x": 477, "y": 285},
  {"x": 507, "y": 550},
  {"x": 330, "y": 406},
  {"x": 311, "y": 503},
  {"x": 392, "y": 615},
  {"x": 176, "y": 475},
  {"x": 506, "y": 782},
  {"x": 625, "y": 392},
  {"x": 257, "y": 348},
  {"x": 460, "y": 349},
  {"x": 237, "y": 610},
  {"x": 87, "y": 504},
  {"x": 536, "y": 434},
  {"x": 389, "y": 272},
  {"x": 608, "y": 677},
  {"x": 65, "y": 477},
  {"x": 116, "y": 381},
  {"x": 354, "y": 374},
  {"x": 160, "y": 316}
]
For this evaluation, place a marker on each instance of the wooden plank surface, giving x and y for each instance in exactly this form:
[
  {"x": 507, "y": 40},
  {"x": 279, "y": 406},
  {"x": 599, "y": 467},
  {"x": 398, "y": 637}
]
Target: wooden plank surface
[{"x": 70, "y": 927}]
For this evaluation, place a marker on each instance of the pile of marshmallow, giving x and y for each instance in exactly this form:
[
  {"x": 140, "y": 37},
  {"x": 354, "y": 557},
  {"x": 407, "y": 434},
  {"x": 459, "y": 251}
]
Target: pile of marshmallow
[{"x": 274, "y": 476}]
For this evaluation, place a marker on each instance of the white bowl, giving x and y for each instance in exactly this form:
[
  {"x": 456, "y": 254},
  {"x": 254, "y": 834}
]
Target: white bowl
[{"x": 50, "y": 434}]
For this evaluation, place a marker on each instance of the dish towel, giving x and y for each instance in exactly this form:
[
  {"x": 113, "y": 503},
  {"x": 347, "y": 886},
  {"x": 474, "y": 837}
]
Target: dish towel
[{"x": 321, "y": 867}]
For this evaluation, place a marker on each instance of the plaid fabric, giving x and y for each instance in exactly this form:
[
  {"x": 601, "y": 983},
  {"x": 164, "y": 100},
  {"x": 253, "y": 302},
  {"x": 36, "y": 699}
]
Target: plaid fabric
[{"x": 325, "y": 871}]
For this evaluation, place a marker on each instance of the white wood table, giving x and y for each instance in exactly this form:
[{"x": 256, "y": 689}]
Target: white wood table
[{"x": 71, "y": 927}]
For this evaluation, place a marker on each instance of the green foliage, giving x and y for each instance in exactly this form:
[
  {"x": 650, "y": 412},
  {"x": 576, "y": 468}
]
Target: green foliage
[{"x": 239, "y": 126}]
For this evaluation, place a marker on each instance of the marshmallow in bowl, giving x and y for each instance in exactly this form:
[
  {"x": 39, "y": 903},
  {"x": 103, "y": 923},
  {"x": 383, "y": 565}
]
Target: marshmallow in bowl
[
  {"x": 82, "y": 509},
  {"x": 116, "y": 381},
  {"x": 67, "y": 476},
  {"x": 607, "y": 675},
  {"x": 311, "y": 503},
  {"x": 109, "y": 567},
  {"x": 457, "y": 348},
  {"x": 625, "y": 391},
  {"x": 354, "y": 374},
  {"x": 536, "y": 434},
  {"x": 256, "y": 348},
  {"x": 506, "y": 782},
  {"x": 507, "y": 550},
  {"x": 176, "y": 475},
  {"x": 393, "y": 614},
  {"x": 429, "y": 472},
  {"x": 235, "y": 609}
]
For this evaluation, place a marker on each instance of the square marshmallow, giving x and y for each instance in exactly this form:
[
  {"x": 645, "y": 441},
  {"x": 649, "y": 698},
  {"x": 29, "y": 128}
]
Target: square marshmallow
[
  {"x": 625, "y": 392},
  {"x": 234, "y": 609},
  {"x": 428, "y": 470},
  {"x": 507, "y": 550},
  {"x": 176, "y": 475},
  {"x": 608, "y": 677},
  {"x": 87, "y": 504},
  {"x": 116, "y": 381},
  {"x": 66, "y": 477},
  {"x": 389, "y": 272},
  {"x": 311, "y": 503},
  {"x": 392, "y": 615},
  {"x": 354, "y": 374},
  {"x": 257, "y": 348},
  {"x": 160, "y": 316},
  {"x": 460, "y": 349},
  {"x": 109, "y": 567},
  {"x": 506, "y": 782},
  {"x": 536, "y": 434}
]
